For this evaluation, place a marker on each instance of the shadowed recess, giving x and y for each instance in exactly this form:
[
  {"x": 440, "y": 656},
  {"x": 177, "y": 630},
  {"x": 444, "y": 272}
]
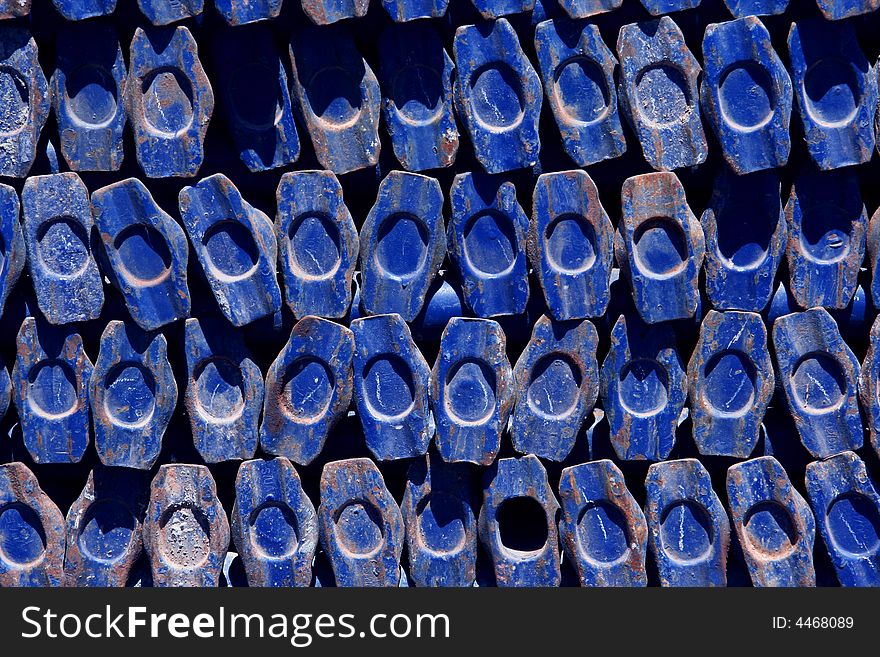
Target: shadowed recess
[
  {"x": 819, "y": 382},
  {"x": 143, "y": 252},
  {"x": 402, "y": 245},
  {"x": 231, "y": 249},
  {"x": 185, "y": 536},
  {"x": 307, "y": 389},
  {"x": 602, "y": 531},
  {"x": 314, "y": 246},
  {"x": 643, "y": 387},
  {"x": 22, "y": 538},
  {"x": 554, "y": 386},
  {"x": 168, "y": 101},
  {"x": 497, "y": 95},
  {"x": 730, "y": 382},
  {"x": 359, "y": 527},
  {"x": 91, "y": 95},
  {"x": 389, "y": 389},
  {"x": 441, "y": 523},
  {"x": 255, "y": 95},
  {"x": 660, "y": 246},
  {"x": 854, "y": 524},
  {"x": 417, "y": 93},
  {"x": 490, "y": 243},
  {"x": 522, "y": 524},
  {"x": 130, "y": 394},
  {"x": 63, "y": 246},
  {"x": 581, "y": 89},
  {"x": 470, "y": 391},
  {"x": 219, "y": 387},
  {"x": 746, "y": 95},
  {"x": 274, "y": 529},
  {"x": 662, "y": 94},
  {"x": 770, "y": 530},
  {"x": 334, "y": 95},
  {"x": 832, "y": 91},
  {"x": 52, "y": 388},
  {"x": 570, "y": 243}
]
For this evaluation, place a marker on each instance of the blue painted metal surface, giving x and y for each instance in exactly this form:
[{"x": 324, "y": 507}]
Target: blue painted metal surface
[
  {"x": 659, "y": 94},
  {"x": 571, "y": 245},
  {"x": 746, "y": 95},
  {"x": 256, "y": 100},
  {"x": 77, "y": 10},
  {"x": 578, "y": 72},
  {"x": 497, "y": 96},
  {"x": 145, "y": 253},
  {"x": 132, "y": 394},
  {"x": 308, "y": 389},
  {"x": 660, "y": 247},
  {"x": 869, "y": 386},
  {"x": 416, "y": 74},
  {"x": 25, "y": 106},
  {"x": 819, "y": 374},
  {"x": 236, "y": 246},
  {"x": 338, "y": 98},
  {"x": 746, "y": 236},
  {"x": 51, "y": 378},
  {"x": 87, "y": 95},
  {"x": 731, "y": 382},
  {"x": 104, "y": 537},
  {"x": 773, "y": 523},
  {"x": 835, "y": 10},
  {"x": 836, "y": 92},
  {"x": 13, "y": 252},
  {"x": 827, "y": 226},
  {"x": 402, "y": 11},
  {"x": 517, "y": 523},
  {"x": 660, "y": 7},
  {"x": 441, "y": 526},
  {"x": 742, "y": 8},
  {"x": 603, "y": 530},
  {"x": 391, "y": 384},
  {"x": 274, "y": 524},
  {"x": 5, "y": 390},
  {"x": 587, "y": 8},
  {"x": 403, "y": 244},
  {"x": 847, "y": 509},
  {"x": 471, "y": 390},
  {"x": 163, "y": 12},
  {"x": 486, "y": 239},
  {"x": 186, "y": 533},
  {"x": 224, "y": 392},
  {"x": 643, "y": 388},
  {"x": 873, "y": 252},
  {"x": 325, "y": 12},
  {"x": 14, "y": 8},
  {"x": 242, "y": 12},
  {"x": 318, "y": 244},
  {"x": 57, "y": 232},
  {"x": 361, "y": 525},
  {"x": 556, "y": 382},
  {"x": 689, "y": 530},
  {"x": 31, "y": 531},
  {"x": 169, "y": 101}
]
